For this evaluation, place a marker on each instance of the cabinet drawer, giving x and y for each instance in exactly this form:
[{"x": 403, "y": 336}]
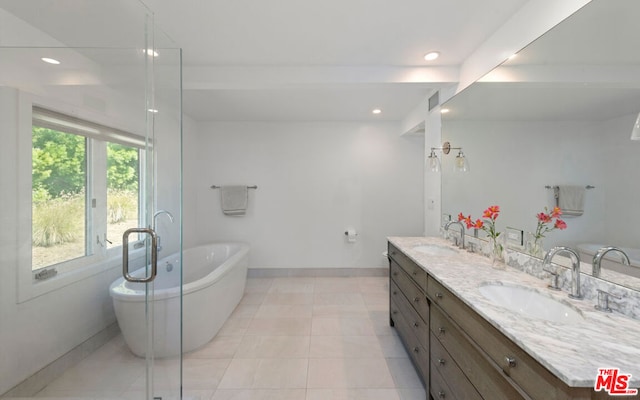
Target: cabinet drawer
[
  {"x": 411, "y": 291},
  {"x": 439, "y": 388},
  {"x": 418, "y": 354},
  {"x": 399, "y": 304},
  {"x": 411, "y": 268},
  {"x": 526, "y": 372},
  {"x": 488, "y": 380},
  {"x": 443, "y": 363}
]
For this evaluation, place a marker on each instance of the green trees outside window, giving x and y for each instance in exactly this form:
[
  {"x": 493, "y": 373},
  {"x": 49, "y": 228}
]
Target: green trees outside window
[{"x": 59, "y": 186}]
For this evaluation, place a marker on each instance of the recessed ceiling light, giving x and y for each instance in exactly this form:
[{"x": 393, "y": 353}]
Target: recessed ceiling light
[
  {"x": 50, "y": 60},
  {"x": 150, "y": 52},
  {"x": 376, "y": 111},
  {"x": 431, "y": 55},
  {"x": 444, "y": 110},
  {"x": 152, "y": 110}
]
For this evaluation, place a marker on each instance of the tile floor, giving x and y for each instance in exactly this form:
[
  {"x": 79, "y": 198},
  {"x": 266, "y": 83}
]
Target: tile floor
[{"x": 288, "y": 339}]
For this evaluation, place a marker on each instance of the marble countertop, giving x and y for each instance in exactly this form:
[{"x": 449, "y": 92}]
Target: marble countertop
[{"x": 571, "y": 352}]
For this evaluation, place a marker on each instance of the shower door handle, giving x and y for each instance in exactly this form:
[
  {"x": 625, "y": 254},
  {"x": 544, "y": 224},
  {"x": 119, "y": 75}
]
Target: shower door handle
[{"x": 154, "y": 255}]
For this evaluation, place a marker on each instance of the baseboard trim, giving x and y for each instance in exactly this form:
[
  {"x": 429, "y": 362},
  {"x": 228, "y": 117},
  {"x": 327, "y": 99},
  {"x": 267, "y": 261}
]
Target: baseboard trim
[
  {"x": 38, "y": 381},
  {"x": 316, "y": 272}
]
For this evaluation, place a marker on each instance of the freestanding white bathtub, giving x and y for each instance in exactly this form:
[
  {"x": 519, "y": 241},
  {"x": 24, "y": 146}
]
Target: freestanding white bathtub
[{"x": 214, "y": 278}]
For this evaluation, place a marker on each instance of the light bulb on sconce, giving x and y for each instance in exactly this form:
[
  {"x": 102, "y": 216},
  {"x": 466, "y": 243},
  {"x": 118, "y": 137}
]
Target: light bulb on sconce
[
  {"x": 461, "y": 164},
  {"x": 434, "y": 162},
  {"x": 635, "y": 133}
]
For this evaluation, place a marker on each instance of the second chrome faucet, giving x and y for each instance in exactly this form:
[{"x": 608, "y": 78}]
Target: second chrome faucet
[
  {"x": 576, "y": 293},
  {"x": 446, "y": 228},
  {"x": 597, "y": 259}
]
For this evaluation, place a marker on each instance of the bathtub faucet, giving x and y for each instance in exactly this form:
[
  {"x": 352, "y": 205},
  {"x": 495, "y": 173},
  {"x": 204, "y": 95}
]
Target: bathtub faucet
[{"x": 155, "y": 220}]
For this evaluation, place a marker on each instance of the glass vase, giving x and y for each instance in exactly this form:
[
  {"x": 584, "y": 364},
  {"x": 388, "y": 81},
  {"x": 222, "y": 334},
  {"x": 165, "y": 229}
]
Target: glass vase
[
  {"x": 534, "y": 246},
  {"x": 496, "y": 253}
]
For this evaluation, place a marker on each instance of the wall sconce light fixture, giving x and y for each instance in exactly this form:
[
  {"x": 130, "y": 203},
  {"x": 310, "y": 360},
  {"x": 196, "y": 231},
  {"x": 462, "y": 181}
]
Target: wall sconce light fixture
[{"x": 461, "y": 164}]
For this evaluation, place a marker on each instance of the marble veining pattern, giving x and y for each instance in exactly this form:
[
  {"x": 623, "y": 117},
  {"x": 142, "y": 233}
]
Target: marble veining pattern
[{"x": 571, "y": 352}]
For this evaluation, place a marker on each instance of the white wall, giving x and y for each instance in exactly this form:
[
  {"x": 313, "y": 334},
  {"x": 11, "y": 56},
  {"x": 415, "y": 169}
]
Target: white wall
[
  {"x": 34, "y": 333},
  {"x": 621, "y": 158},
  {"x": 314, "y": 180},
  {"x": 511, "y": 163}
]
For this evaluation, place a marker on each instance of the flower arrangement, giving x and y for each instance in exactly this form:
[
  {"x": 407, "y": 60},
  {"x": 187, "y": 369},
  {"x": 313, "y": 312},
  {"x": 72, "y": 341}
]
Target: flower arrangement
[
  {"x": 546, "y": 218},
  {"x": 488, "y": 224},
  {"x": 547, "y": 222}
]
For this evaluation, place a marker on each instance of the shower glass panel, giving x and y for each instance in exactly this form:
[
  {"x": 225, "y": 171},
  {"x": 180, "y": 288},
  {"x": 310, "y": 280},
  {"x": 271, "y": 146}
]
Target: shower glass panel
[{"x": 91, "y": 119}]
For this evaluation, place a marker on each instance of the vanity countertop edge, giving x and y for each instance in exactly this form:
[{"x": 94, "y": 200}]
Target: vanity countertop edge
[{"x": 573, "y": 353}]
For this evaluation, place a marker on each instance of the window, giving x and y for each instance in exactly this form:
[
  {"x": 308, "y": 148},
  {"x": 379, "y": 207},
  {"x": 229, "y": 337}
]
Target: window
[
  {"x": 59, "y": 197},
  {"x": 123, "y": 196},
  {"x": 85, "y": 190}
]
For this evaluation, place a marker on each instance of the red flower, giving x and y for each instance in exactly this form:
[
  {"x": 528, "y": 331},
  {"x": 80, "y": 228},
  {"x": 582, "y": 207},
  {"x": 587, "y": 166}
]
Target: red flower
[
  {"x": 466, "y": 220},
  {"x": 488, "y": 224},
  {"x": 560, "y": 224},
  {"x": 491, "y": 212},
  {"x": 544, "y": 218}
]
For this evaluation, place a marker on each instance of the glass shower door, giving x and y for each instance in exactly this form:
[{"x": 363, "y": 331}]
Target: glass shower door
[
  {"x": 160, "y": 230},
  {"x": 100, "y": 77},
  {"x": 162, "y": 182}
]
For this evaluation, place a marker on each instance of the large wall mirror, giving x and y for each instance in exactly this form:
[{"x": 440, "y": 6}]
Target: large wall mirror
[{"x": 560, "y": 113}]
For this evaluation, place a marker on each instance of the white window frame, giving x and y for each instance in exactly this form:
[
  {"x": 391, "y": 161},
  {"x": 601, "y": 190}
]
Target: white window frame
[{"x": 102, "y": 260}]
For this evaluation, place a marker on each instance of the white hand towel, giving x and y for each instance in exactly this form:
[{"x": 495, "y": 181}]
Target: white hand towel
[
  {"x": 234, "y": 200},
  {"x": 571, "y": 200}
]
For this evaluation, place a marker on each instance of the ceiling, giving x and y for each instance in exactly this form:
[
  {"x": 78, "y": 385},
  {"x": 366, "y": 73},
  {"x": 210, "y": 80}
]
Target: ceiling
[
  {"x": 333, "y": 60},
  {"x": 581, "y": 70},
  {"x": 379, "y": 43}
]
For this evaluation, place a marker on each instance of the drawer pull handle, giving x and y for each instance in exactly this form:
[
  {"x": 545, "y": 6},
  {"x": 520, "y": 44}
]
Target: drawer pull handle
[
  {"x": 394, "y": 312},
  {"x": 441, "y": 361},
  {"x": 438, "y": 295},
  {"x": 441, "y": 329},
  {"x": 511, "y": 361},
  {"x": 395, "y": 292},
  {"x": 415, "y": 273},
  {"x": 415, "y": 324},
  {"x": 441, "y": 394},
  {"x": 395, "y": 273},
  {"x": 393, "y": 253},
  {"x": 416, "y": 299},
  {"x": 415, "y": 349}
]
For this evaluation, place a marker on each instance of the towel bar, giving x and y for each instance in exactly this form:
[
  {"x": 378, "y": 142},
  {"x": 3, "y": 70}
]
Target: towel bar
[
  {"x": 553, "y": 187},
  {"x": 248, "y": 187}
]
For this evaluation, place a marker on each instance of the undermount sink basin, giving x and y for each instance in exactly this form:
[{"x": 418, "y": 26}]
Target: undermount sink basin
[
  {"x": 435, "y": 250},
  {"x": 530, "y": 302}
]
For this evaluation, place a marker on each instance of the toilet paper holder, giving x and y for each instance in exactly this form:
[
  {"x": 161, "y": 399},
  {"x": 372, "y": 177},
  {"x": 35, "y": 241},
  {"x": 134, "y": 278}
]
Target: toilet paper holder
[{"x": 351, "y": 235}]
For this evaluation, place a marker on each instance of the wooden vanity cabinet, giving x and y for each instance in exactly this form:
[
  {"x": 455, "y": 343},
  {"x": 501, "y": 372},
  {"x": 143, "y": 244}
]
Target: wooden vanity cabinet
[
  {"x": 409, "y": 309},
  {"x": 497, "y": 367},
  {"x": 457, "y": 353}
]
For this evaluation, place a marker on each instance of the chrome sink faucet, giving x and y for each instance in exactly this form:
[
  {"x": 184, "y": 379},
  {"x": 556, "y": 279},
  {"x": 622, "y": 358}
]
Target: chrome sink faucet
[
  {"x": 597, "y": 259},
  {"x": 575, "y": 268},
  {"x": 446, "y": 228}
]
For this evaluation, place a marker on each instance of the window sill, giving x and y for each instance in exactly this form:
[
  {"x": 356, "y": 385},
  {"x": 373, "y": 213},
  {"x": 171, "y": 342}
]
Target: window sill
[{"x": 29, "y": 289}]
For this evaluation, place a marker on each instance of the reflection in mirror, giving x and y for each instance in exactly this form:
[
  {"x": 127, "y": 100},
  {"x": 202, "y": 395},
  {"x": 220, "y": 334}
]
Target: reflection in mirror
[{"x": 557, "y": 117}]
